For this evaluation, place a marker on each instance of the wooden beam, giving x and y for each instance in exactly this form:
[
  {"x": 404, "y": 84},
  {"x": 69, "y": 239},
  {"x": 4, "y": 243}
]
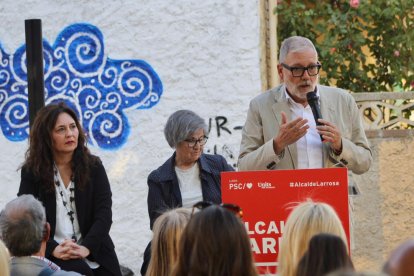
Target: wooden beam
[{"x": 34, "y": 58}]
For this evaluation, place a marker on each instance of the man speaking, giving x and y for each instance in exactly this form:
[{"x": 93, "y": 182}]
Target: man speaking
[{"x": 280, "y": 130}]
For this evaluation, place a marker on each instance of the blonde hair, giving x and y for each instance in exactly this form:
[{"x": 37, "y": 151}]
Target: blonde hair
[
  {"x": 306, "y": 220},
  {"x": 164, "y": 248},
  {"x": 4, "y": 259}
]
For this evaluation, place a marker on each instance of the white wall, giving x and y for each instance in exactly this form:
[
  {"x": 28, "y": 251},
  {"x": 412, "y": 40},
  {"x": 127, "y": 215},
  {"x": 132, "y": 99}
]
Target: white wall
[{"x": 207, "y": 56}]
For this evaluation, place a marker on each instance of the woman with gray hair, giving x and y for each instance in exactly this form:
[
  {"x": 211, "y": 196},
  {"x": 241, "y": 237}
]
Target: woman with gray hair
[{"x": 189, "y": 175}]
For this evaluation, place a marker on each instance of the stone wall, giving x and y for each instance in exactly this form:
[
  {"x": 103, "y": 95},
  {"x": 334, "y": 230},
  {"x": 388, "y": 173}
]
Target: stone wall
[{"x": 384, "y": 210}]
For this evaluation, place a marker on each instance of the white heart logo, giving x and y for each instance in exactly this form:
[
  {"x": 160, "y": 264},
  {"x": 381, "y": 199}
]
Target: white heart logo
[{"x": 249, "y": 185}]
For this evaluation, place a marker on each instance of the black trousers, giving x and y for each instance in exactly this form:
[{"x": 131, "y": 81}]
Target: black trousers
[
  {"x": 81, "y": 267},
  {"x": 77, "y": 265},
  {"x": 147, "y": 258}
]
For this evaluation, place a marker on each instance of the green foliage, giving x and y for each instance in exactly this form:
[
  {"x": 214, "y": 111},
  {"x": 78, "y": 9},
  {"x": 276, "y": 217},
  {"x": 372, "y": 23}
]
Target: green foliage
[{"x": 364, "y": 49}]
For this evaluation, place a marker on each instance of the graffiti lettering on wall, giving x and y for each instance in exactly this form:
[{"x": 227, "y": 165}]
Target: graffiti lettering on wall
[
  {"x": 224, "y": 139},
  {"x": 78, "y": 72}
]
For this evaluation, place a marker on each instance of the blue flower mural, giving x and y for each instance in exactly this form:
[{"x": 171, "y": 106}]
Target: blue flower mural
[{"x": 78, "y": 72}]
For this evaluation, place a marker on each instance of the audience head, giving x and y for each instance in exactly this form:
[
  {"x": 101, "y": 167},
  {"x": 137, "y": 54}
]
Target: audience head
[
  {"x": 326, "y": 253},
  {"x": 23, "y": 226},
  {"x": 4, "y": 260},
  {"x": 306, "y": 220},
  {"x": 183, "y": 124},
  {"x": 164, "y": 248},
  {"x": 215, "y": 242},
  {"x": 401, "y": 260}
]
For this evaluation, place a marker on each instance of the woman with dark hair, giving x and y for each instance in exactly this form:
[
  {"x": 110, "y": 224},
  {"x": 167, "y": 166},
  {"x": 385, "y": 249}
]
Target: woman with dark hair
[
  {"x": 73, "y": 186},
  {"x": 326, "y": 253},
  {"x": 215, "y": 243},
  {"x": 189, "y": 175}
]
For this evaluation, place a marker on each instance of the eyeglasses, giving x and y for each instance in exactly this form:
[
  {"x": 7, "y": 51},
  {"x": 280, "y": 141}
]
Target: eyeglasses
[
  {"x": 235, "y": 209},
  {"x": 313, "y": 70},
  {"x": 193, "y": 142}
]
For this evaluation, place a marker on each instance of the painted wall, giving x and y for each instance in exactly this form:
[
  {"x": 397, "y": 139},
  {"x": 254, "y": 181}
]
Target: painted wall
[{"x": 206, "y": 57}]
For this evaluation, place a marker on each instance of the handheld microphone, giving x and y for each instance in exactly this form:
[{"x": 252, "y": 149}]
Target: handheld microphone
[{"x": 314, "y": 104}]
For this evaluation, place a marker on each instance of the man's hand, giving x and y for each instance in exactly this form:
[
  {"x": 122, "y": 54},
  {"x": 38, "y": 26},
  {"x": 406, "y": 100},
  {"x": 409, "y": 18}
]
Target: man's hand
[
  {"x": 331, "y": 134},
  {"x": 289, "y": 133}
]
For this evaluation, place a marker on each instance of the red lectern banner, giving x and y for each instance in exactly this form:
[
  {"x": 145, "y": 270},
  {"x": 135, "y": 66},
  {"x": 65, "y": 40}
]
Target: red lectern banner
[{"x": 266, "y": 198}]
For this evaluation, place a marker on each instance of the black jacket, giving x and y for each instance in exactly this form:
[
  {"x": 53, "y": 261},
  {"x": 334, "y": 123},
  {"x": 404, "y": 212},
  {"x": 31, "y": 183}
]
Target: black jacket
[{"x": 93, "y": 205}]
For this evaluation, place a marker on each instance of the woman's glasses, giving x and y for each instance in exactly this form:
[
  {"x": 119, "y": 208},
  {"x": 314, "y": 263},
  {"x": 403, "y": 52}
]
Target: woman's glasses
[
  {"x": 235, "y": 209},
  {"x": 193, "y": 142}
]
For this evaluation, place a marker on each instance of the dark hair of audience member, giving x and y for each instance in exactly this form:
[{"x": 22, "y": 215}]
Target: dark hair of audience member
[
  {"x": 401, "y": 260},
  {"x": 326, "y": 253},
  {"x": 167, "y": 229},
  {"x": 214, "y": 243}
]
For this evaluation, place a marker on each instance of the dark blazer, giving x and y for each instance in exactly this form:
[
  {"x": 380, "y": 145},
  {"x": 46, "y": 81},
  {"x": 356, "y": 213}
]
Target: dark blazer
[
  {"x": 93, "y": 205},
  {"x": 164, "y": 190}
]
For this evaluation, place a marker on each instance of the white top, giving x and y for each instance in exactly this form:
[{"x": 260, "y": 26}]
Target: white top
[
  {"x": 64, "y": 229},
  {"x": 190, "y": 185},
  {"x": 309, "y": 147}
]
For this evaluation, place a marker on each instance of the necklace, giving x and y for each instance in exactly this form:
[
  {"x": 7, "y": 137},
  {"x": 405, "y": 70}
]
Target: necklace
[{"x": 69, "y": 207}]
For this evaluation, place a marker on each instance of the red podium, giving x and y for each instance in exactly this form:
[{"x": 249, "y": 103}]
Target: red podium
[{"x": 267, "y": 197}]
